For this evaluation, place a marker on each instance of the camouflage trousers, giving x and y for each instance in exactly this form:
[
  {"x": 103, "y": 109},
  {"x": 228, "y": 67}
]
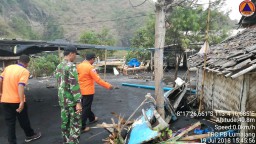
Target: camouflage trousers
[{"x": 70, "y": 125}]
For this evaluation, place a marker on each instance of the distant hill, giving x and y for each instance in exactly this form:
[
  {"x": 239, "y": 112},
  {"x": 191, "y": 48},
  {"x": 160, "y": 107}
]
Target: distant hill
[{"x": 67, "y": 19}]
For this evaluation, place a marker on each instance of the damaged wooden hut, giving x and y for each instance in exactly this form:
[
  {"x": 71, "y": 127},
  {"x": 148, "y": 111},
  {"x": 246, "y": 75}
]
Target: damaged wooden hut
[{"x": 229, "y": 82}]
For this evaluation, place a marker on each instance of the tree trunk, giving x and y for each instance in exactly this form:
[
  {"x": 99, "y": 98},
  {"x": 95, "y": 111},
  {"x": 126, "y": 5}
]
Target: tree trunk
[{"x": 158, "y": 56}]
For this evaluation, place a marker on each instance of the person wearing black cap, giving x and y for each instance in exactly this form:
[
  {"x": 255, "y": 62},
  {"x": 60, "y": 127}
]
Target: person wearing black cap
[
  {"x": 87, "y": 75},
  {"x": 69, "y": 97}
]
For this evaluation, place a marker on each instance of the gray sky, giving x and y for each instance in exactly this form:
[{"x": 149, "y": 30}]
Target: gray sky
[{"x": 232, "y": 5}]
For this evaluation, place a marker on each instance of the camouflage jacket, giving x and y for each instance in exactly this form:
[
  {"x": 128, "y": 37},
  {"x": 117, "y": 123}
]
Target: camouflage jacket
[{"x": 68, "y": 87}]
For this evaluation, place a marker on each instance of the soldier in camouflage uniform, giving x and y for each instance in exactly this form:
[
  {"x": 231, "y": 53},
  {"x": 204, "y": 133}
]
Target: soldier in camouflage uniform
[{"x": 69, "y": 97}]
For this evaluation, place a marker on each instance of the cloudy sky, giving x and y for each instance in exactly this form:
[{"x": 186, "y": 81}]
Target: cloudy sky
[{"x": 232, "y": 5}]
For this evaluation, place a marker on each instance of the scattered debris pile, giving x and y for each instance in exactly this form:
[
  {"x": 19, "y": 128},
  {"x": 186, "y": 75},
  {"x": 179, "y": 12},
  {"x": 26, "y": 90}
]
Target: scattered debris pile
[
  {"x": 226, "y": 81},
  {"x": 150, "y": 127}
]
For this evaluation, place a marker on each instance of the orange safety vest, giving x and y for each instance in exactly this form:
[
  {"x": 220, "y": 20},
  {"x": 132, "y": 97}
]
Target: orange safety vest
[
  {"x": 87, "y": 75},
  {"x": 12, "y": 76}
]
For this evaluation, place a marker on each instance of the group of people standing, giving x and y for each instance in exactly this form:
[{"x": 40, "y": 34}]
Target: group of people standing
[
  {"x": 75, "y": 93},
  {"x": 76, "y": 88}
]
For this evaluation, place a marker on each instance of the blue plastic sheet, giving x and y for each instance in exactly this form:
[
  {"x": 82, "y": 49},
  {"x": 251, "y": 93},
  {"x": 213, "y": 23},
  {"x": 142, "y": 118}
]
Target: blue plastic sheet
[{"x": 133, "y": 62}]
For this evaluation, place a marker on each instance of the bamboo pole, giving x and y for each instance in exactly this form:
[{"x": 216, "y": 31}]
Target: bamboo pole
[
  {"x": 151, "y": 60},
  {"x": 245, "y": 93},
  {"x": 244, "y": 71},
  {"x": 105, "y": 125},
  {"x": 105, "y": 64},
  {"x": 142, "y": 103},
  {"x": 3, "y": 65},
  {"x": 9, "y": 58},
  {"x": 205, "y": 57},
  {"x": 59, "y": 53}
]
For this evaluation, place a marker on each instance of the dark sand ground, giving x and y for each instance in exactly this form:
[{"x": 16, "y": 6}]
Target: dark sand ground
[{"x": 45, "y": 114}]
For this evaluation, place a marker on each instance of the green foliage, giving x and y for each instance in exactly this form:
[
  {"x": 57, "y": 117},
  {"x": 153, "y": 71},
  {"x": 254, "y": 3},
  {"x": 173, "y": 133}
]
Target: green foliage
[
  {"x": 53, "y": 30},
  {"x": 1, "y": 9},
  {"x": 166, "y": 134},
  {"x": 10, "y": 2},
  {"x": 48, "y": 18},
  {"x": 3, "y": 29},
  {"x": 143, "y": 38},
  {"x": 22, "y": 27},
  {"x": 126, "y": 27},
  {"x": 43, "y": 65},
  {"x": 187, "y": 25},
  {"x": 101, "y": 38},
  {"x": 22, "y": 13}
]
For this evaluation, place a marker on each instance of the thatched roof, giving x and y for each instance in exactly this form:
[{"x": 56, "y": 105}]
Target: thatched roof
[{"x": 233, "y": 57}]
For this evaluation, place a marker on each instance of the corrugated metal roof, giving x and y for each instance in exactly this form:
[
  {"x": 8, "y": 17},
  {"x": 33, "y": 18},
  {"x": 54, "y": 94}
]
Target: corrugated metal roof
[{"x": 17, "y": 47}]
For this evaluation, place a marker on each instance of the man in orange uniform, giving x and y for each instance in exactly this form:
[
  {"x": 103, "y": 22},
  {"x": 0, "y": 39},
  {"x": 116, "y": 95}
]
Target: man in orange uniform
[
  {"x": 87, "y": 75},
  {"x": 12, "y": 83}
]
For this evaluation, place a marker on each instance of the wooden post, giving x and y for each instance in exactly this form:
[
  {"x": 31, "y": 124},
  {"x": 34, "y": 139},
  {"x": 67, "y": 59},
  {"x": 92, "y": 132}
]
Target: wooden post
[
  {"x": 158, "y": 56},
  {"x": 59, "y": 52},
  {"x": 105, "y": 65},
  {"x": 245, "y": 92},
  {"x": 205, "y": 57},
  {"x": 177, "y": 67},
  {"x": 151, "y": 60},
  {"x": 3, "y": 65},
  {"x": 188, "y": 75},
  {"x": 197, "y": 81}
]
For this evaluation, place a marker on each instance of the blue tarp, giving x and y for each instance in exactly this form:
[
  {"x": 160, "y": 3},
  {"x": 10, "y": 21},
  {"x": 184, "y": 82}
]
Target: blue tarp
[{"x": 133, "y": 62}]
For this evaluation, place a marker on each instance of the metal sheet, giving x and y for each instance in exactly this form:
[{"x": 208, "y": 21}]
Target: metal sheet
[{"x": 140, "y": 132}]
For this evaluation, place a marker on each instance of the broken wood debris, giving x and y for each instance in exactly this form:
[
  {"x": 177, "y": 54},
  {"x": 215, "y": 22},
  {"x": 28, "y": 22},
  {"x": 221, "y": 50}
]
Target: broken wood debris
[
  {"x": 185, "y": 132},
  {"x": 105, "y": 125},
  {"x": 150, "y": 127}
]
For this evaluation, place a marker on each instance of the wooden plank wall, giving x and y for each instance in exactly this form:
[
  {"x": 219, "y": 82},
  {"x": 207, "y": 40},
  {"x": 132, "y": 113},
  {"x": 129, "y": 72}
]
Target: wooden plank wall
[
  {"x": 251, "y": 100},
  {"x": 221, "y": 92},
  {"x": 226, "y": 94}
]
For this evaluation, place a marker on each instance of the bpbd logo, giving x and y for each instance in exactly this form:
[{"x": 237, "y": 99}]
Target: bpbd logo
[{"x": 247, "y": 8}]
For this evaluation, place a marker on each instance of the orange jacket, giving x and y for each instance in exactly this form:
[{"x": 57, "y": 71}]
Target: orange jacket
[{"x": 87, "y": 75}]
